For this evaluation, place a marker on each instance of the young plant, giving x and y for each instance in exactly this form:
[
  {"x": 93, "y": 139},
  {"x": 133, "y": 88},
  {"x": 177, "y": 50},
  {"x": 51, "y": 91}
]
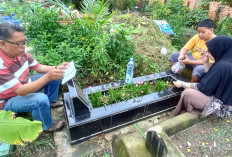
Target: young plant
[
  {"x": 126, "y": 92},
  {"x": 97, "y": 13}
]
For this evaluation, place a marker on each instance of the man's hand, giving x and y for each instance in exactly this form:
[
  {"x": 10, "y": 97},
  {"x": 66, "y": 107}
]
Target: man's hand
[
  {"x": 204, "y": 56},
  {"x": 63, "y": 66},
  {"x": 55, "y": 74}
]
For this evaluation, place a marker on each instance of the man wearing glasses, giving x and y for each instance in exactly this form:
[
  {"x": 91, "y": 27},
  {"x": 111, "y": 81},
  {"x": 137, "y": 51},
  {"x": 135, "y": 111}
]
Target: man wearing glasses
[{"x": 18, "y": 91}]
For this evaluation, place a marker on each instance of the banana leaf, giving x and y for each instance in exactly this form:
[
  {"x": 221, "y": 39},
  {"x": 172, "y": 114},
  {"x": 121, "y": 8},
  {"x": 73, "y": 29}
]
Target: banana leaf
[{"x": 18, "y": 130}]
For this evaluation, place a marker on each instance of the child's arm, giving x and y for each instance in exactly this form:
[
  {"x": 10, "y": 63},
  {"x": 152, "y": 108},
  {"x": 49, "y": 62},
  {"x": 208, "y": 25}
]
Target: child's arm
[
  {"x": 191, "y": 62},
  {"x": 182, "y": 53}
]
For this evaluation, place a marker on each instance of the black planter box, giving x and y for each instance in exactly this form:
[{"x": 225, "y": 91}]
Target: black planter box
[{"x": 85, "y": 122}]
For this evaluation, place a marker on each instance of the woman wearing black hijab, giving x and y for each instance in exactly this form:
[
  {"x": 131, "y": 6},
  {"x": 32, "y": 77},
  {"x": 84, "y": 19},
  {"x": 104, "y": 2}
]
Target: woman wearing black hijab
[{"x": 215, "y": 87}]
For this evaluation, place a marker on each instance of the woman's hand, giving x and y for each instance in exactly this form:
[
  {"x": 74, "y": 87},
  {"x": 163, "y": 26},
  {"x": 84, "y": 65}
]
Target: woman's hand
[
  {"x": 205, "y": 56},
  {"x": 177, "y": 83},
  {"x": 181, "y": 84}
]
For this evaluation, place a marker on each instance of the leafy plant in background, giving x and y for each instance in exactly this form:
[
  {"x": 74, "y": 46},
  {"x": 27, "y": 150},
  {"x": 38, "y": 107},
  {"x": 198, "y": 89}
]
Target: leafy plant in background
[
  {"x": 146, "y": 65},
  {"x": 88, "y": 5},
  {"x": 82, "y": 40},
  {"x": 42, "y": 22},
  {"x": 120, "y": 46},
  {"x": 122, "y": 4},
  {"x": 99, "y": 48},
  {"x": 65, "y": 9},
  {"x": 178, "y": 16},
  {"x": 193, "y": 17},
  {"x": 126, "y": 92},
  {"x": 96, "y": 13},
  {"x": 23, "y": 9},
  {"x": 224, "y": 27},
  {"x": 224, "y": 2}
]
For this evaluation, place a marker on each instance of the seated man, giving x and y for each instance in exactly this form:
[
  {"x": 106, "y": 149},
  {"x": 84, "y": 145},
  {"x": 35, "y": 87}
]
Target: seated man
[
  {"x": 197, "y": 43},
  {"x": 17, "y": 90}
]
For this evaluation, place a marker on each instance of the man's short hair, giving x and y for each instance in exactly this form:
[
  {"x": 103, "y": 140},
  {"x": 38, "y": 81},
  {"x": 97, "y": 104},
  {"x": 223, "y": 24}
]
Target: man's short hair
[
  {"x": 206, "y": 23},
  {"x": 7, "y": 29}
]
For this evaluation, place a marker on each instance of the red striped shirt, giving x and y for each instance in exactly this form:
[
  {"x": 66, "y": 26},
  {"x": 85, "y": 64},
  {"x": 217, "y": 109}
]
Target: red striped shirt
[{"x": 14, "y": 73}]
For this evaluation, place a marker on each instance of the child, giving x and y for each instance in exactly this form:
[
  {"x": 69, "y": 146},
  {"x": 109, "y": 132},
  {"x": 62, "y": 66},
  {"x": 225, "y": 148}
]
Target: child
[{"x": 197, "y": 43}]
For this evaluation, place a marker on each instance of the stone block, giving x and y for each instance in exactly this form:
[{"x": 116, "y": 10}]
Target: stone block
[
  {"x": 132, "y": 145},
  {"x": 5, "y": 149}
]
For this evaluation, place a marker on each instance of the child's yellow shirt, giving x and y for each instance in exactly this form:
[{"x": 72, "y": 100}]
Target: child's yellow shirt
[{"x": 196, "y": 44}]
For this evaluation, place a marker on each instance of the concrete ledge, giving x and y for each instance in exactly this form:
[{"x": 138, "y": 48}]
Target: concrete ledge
[
  {"x": 177, "y": 124},
  {"x": 172, "y": 126},
  {"x": 6, "y": 149},
  {"x": 133, "y": 145}
]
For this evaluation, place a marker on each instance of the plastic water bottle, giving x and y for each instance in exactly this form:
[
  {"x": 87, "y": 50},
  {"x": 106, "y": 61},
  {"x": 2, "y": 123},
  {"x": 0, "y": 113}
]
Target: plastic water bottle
[
  {"x": 130, "y": 71},
  {"x": 177, "y": 68}
]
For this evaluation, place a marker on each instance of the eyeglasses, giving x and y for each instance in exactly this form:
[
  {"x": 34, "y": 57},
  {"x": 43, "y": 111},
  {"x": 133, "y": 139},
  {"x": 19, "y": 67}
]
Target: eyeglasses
[{"x": 20, "y": 44}]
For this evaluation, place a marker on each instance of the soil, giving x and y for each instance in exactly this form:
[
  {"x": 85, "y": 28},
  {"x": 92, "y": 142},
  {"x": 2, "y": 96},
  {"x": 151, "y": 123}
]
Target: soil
[
  {"x": 210, "y": 138},
  {"x": 99, "y": 146},
  {"x": 43, "y": 146}
]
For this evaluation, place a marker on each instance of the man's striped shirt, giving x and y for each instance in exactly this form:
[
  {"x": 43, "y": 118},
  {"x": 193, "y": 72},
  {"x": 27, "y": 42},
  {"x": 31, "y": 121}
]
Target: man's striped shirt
[{"x": 14, "y": 73}]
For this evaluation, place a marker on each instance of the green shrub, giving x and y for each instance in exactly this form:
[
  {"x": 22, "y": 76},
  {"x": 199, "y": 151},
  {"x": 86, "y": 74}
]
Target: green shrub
[
  {"x": 179, "y": 18},
  {"x": 224, "y": 27},
  {"x": 87, "y": 41},
  {"x": 123, "y": 4},
  {"x": 120, "y": 46}
]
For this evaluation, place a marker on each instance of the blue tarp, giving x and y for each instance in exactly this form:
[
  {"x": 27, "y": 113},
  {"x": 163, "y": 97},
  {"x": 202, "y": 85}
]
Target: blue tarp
[
  {"x": 9, "y": 18},
  {"x": 164, "y": 27}
]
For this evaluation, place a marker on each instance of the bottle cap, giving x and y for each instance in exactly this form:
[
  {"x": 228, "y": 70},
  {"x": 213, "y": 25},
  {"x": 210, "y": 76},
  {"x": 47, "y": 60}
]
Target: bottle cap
[{"x": 131, "y": 59}]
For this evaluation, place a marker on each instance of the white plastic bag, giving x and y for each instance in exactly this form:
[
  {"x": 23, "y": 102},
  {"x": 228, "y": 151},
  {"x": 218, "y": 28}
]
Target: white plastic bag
[{"x": 163, "y": 51}]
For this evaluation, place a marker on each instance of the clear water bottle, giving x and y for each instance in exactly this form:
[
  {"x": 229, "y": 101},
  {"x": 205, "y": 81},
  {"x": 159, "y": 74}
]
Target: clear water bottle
[
  {"x": 177, "y": 68},
  {"x": 130, "y": 71}
]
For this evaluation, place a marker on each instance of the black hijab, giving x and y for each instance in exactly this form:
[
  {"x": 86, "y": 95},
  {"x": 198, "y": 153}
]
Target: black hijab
[{"x": 218, "y": 80}]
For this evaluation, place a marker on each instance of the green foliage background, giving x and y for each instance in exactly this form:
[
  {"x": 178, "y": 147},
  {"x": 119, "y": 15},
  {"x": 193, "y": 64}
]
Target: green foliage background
[
  {"x": 87, "y": 41},
  {"x": 178, "y": 16},
  {"x": 225, "y": 2},
  {"x": 101, "y": 45}
]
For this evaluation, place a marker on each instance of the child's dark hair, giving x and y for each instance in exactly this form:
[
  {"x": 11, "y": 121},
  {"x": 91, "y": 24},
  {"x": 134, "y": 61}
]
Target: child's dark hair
[{"x": 206, "y": 23}]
